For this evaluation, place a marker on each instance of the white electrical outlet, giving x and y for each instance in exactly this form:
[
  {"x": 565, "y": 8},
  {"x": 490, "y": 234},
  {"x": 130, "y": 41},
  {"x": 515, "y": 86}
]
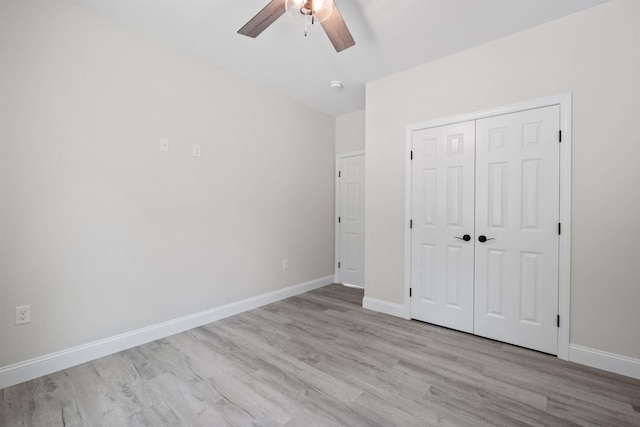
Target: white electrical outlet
[
  {"x": 285, "y": 264},
  {"x": 196, "y": 150},
  {"x": 164, "y": 145},
  {"x": 23, "y": 314}
]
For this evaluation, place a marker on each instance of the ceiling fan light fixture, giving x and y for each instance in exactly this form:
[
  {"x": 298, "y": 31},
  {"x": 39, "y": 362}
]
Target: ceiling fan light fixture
[{"x": 309, "y": 11}]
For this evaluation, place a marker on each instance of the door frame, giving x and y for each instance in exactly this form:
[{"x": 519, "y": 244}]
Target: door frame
[
  {"x": 336, "y": 270},
  {"x": 564, "y": 250}
]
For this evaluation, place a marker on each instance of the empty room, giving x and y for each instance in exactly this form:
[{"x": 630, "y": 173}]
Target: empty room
[{"x": 319, "y": 213}]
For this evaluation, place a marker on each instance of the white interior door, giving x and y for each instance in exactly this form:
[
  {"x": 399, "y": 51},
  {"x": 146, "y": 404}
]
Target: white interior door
[
  {"x": 517, "y": 211},
  {"x": 351, "y": 220},
  {"x": 443, "y": 220}
]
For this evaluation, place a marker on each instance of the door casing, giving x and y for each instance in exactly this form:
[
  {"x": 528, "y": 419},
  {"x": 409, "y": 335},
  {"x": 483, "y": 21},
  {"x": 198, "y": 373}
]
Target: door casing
[{"x": 564, "y": 101}]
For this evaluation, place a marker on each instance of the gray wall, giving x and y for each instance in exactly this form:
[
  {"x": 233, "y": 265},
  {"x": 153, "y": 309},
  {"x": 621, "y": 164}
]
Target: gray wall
[
  {"x": 593, "y": 54},
  {"x": 350, "y": 132},
  {"x": 101, "y": 232}
]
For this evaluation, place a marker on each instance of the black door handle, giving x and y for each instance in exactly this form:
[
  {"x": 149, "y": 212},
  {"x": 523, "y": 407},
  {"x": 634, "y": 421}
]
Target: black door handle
[
  {"x": 466, "y": 238},
  {"x": 483, "y": 239}
]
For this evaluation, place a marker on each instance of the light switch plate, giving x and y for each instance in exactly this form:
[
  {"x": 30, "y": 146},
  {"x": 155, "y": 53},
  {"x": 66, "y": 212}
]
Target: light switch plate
[{"x": 164, "y": 145}]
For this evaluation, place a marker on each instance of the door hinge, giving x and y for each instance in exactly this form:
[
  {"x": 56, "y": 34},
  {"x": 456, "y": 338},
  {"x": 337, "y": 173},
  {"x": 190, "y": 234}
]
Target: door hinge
[
  {"x": 410, "y": 223},
  {"x": 409, "y": 292},
  {"x": 560, "y": 136},
  {"x": 339, "y": 174},
  {"x": 411, "y": 154},
  {"x": 339, "y": 220},
  {"x": 338, "y": 264},
  {"x": 558, "y": 320},
  {"x": 559, "y": 228}
]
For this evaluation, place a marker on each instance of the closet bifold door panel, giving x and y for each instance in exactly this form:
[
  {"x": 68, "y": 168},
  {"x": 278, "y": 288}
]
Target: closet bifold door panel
[
  {"x": 442, "y": 225},
  {"x": 485, "y": 209},
  {"x": 517, "y": 211}
]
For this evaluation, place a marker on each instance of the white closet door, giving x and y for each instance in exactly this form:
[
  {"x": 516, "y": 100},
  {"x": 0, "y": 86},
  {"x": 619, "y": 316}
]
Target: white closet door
[
  {"x": 517, "y": 210},
  {"x": 351, "y": 220},
  {"x": 442, "y": 212}
]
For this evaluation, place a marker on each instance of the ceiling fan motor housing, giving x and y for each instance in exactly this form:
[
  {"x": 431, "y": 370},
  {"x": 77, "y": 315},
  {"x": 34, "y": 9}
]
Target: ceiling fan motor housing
[{"x": 318, "y": 10}]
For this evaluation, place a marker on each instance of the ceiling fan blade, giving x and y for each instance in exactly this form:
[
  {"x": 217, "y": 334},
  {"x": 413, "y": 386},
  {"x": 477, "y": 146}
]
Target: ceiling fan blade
[
  {"x": 263, "y": 19},
  {"x": 337, "y": 31}
]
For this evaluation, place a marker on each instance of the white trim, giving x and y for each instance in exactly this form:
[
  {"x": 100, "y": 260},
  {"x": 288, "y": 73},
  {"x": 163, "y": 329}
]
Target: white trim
[
  {"x": 564, "y": 255},
  {"x": 350, "y": 154},
  {"x": 507, "y": 109},
  {"x": 611, "y": 362},
  {"x": 407, "y": 217},
  {"x": 336, "y": 252},
  {"x": 47, "y": 364},
  {"x": 390, "y": 308}
]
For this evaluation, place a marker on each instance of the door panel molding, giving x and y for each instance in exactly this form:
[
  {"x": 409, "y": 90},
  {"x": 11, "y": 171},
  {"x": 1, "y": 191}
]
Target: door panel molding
[{"x": 564, "y": 101}]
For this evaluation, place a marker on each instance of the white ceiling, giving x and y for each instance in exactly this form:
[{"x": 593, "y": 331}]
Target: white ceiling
[{"x": 391, "y": 35}]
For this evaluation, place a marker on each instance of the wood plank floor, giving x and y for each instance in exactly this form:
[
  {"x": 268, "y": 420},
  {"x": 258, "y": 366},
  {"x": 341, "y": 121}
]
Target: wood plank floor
[{"x": 319, "y": 359}]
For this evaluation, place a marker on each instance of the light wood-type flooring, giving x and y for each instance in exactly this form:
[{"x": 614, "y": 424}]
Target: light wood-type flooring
[{"x": 319, "y": 359}]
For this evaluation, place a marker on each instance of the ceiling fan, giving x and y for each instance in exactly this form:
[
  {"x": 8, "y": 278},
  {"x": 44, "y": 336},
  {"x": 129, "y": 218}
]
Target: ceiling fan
[{"x": 308, "y": 11}]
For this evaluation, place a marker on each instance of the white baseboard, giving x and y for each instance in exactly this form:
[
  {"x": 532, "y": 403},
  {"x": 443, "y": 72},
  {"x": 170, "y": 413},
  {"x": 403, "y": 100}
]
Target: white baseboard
[
  {"x": 349, "y": 285},
  {"x": 390, "y": 308},
  {"x": 47, "y": 364},
  {"x": 611, "y": 362}
]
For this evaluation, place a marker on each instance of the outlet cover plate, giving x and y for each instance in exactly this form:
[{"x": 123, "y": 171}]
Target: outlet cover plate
[{"x": 23, "y": 314}]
